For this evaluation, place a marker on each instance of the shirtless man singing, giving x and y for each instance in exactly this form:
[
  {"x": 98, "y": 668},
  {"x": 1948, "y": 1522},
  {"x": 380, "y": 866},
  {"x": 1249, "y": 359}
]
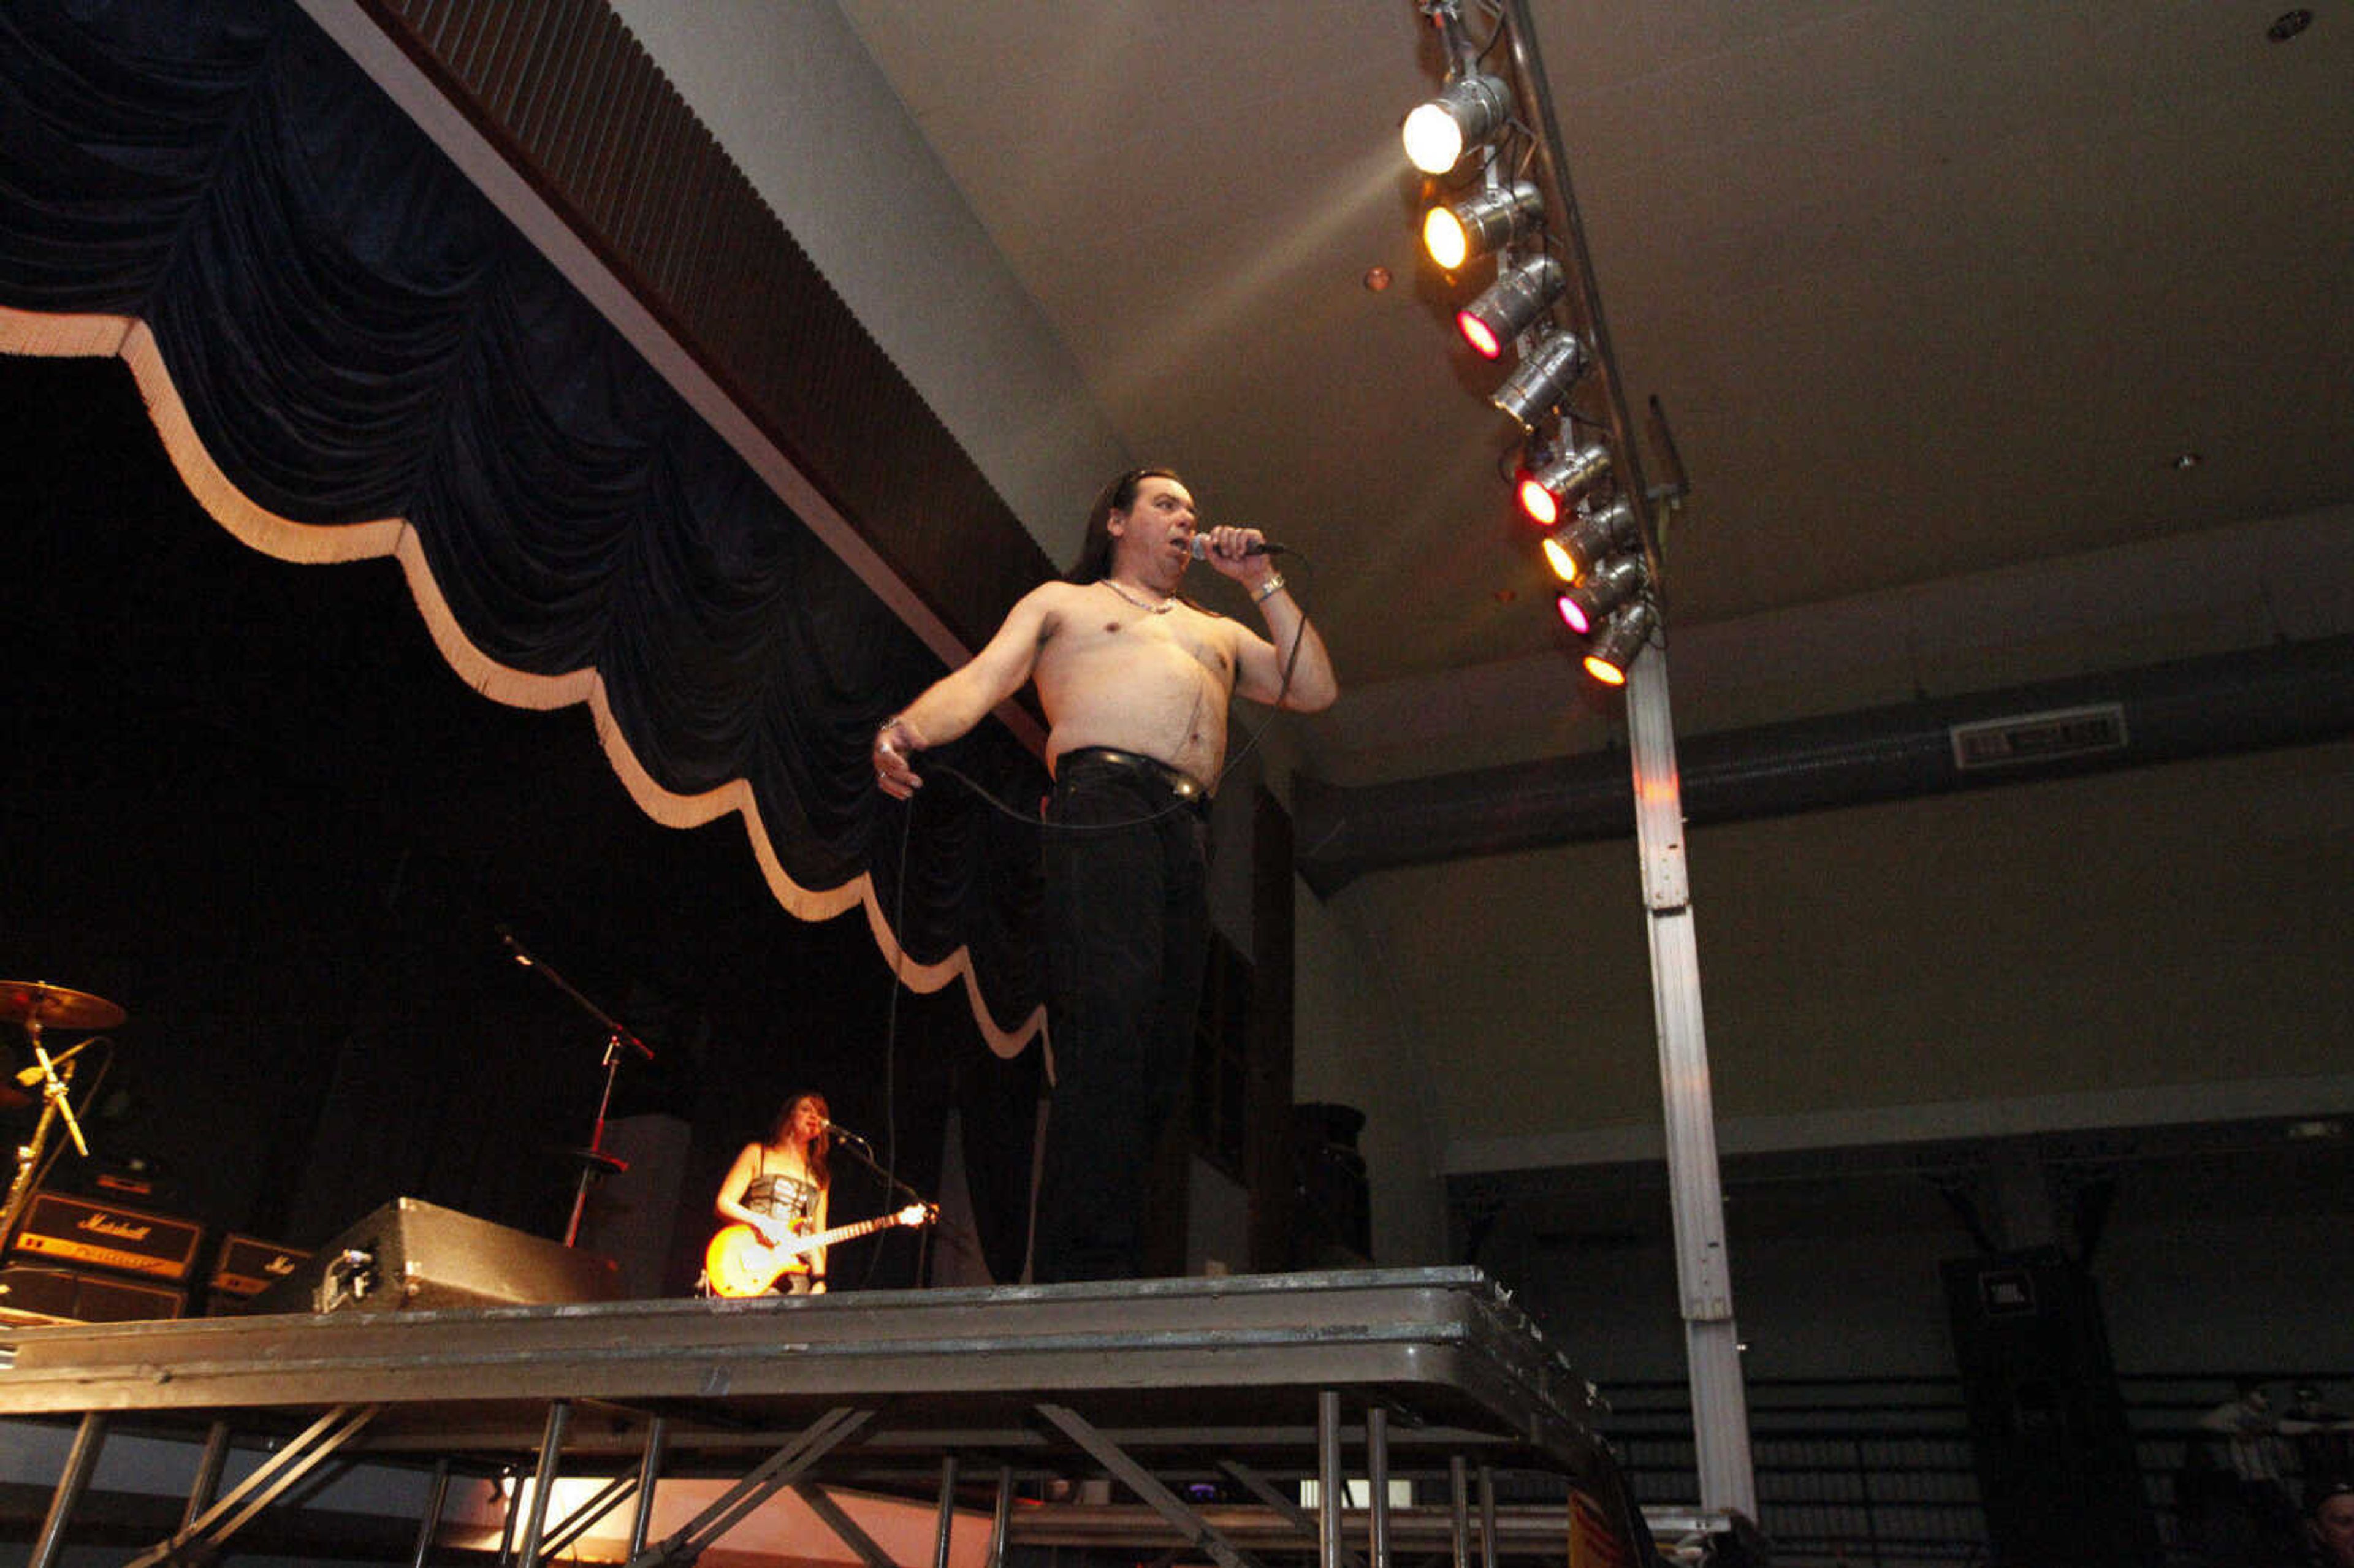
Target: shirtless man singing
[{"x": 1135, "y": 683}]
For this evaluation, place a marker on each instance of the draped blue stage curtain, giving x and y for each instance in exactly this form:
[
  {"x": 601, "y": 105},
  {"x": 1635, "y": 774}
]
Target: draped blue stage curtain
[{"x": 356, "y": 333}]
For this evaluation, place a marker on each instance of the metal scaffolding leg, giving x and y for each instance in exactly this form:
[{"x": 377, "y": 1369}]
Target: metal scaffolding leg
[
  {"x": 1377, "y": 1476},
  {"x": 317, "y": 1443},
  {"x": 1141, "y": 1481},
  {"x": 650, "y": 1465},
  {"x": 1002, "y": 1519},
  {"x": 580, "y": 1520},
  {"x": 437, "y": 1497},
  {"x": 946, "y": 1527},
  {"x": 82, "y": 1460},
  {"x": 1459, "y": 1510},
  {"x": 779, "y": 1470},
  {"x": 1331, "y": 1486},
  {"x": 1288, "y": 1509},
  {"x": 209, "y": 1465},
  {"x": 542, "y": 1480},
  {"x": 507, "y": 1524},
  {"x": 846, "y": 1529},
  {"x": 1486, "y": 1518}
]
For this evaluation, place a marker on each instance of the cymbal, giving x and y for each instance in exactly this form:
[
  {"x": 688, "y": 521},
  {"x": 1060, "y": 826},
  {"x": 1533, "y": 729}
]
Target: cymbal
[{"x": 55, "y": 1007}]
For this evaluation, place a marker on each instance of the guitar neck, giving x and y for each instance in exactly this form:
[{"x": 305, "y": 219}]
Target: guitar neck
[
  {"x": 796, "y": 1247},
  {"x": 844, "y": 1234}
]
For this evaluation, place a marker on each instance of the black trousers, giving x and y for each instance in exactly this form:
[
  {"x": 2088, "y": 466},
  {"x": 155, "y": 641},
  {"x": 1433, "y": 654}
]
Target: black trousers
[{"x": 1126, "y": 922}]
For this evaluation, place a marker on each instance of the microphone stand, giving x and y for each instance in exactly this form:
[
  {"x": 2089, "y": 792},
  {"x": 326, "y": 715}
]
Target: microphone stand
[
  {"x": 845, "y": 1138},
  {"x": 594, "y": 1160},
  {"x": 858, "y": 1146}
]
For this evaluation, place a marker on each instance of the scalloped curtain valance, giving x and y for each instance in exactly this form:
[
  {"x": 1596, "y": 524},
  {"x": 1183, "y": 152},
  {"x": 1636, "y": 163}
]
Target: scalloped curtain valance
[{"x": 350, "y": 354}]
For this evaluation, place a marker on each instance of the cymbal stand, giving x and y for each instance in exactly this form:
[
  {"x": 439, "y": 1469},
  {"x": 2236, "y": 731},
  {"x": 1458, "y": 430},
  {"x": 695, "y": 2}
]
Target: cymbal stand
[
  {"x": 55, "y": 1106},
  {"x": 594, "y": 1160}
]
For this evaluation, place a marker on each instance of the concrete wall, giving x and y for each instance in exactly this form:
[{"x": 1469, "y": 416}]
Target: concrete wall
[
  {"x": 844, "y": 168},
  {"x": 1355, "y": 1047},
  {"x": 2263, "y": 1294}
]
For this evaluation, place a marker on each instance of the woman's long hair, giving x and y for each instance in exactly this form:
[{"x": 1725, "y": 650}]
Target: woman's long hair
[
  {"x": 1096, "y": 551},
  {"x": 816, "y": 1156}
]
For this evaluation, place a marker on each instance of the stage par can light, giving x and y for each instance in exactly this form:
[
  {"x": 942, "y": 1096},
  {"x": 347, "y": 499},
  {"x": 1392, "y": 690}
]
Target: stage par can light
[
  {"x": 1542, "y": 379},
  {"x": 1538, "y": 504},
  {"x": 1546, "y": 489},
  {"x": 1576, "y": 547},
  {"x": 1466, "y": 112},
  {"x": 1605, "y": 587},
  {"x": 1614, "y": 651},
  {"x": 1511, "y": 305},
  {"x": 1494, "y": 217}
]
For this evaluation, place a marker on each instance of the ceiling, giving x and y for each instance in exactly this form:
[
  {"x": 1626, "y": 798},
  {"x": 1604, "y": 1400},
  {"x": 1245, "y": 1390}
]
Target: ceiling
[
  {"x": 1998, "y": 345},
  {"x": 1923, "y": 290}
]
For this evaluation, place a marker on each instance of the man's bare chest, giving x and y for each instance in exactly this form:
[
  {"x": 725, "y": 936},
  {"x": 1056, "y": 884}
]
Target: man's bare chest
[{"x": 1184, "y": 642}]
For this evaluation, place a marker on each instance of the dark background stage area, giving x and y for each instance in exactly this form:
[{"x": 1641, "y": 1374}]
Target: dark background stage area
[{"x": 250, "y": 803}]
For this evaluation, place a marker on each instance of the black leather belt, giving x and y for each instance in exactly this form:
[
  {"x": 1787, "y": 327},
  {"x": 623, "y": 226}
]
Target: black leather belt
[{"x": 1177, "y": 781}]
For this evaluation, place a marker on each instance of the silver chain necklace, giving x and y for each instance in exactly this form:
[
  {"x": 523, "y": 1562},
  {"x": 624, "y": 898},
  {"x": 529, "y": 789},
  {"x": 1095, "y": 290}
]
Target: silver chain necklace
[{"x": 1164, "y": 607}]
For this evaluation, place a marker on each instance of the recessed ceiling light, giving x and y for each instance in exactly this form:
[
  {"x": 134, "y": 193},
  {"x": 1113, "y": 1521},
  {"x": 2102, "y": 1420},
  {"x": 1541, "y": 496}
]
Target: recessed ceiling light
[
  {"x": 2188, "y": 459},
  {"x": 2288, "y": 25}
]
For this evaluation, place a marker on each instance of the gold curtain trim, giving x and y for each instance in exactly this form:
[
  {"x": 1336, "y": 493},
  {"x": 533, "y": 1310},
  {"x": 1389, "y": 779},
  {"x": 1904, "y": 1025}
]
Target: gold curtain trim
[{"x": 127, "y": 338}]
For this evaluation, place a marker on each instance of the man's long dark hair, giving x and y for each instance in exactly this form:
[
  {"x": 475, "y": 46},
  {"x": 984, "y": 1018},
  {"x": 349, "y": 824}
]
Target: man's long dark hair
[{"x": 1096, "y": 551}]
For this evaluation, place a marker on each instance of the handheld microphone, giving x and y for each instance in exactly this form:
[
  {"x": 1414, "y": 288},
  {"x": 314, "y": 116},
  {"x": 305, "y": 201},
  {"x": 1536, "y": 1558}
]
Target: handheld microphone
[{"x": 1264, "y": 548}]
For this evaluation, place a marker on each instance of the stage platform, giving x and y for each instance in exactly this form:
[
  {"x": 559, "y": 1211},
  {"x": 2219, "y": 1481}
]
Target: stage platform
[{"x": 1192, "y": 1395}]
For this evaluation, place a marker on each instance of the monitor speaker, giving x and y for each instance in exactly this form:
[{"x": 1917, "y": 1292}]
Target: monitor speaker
[{"x": 411, "y": 1255}]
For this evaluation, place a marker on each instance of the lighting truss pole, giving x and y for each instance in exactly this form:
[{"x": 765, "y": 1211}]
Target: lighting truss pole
[{"x": 1704, "y": 1271}]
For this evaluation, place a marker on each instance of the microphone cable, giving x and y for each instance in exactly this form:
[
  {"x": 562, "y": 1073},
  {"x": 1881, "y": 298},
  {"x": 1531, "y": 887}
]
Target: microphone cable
[
  {"x": 1234, "y": 759},
  {"x": 891, "y": 1038},
  {"x": 899, "y": 898}
]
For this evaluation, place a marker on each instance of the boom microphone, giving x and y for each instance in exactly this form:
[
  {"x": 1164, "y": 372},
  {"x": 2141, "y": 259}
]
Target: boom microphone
[
  {"x": 839, "y": 1130},
  {"x": 1264, "y": 548}
]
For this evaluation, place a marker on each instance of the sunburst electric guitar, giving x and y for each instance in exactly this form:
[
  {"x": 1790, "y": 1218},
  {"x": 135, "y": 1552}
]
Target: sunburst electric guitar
[{"x": 738, "y": 1263}]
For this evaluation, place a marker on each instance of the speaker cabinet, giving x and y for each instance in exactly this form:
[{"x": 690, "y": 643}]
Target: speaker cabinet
[
  {"x": 41, "y": 1293},
  {"x": 66, "y": 1229},
  {"x": 410, "y": 1255},
  {"x": 2055, "y": 1461}
]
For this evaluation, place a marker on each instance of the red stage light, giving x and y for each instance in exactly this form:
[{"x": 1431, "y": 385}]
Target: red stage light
[{"x": 1480, "y": 336}]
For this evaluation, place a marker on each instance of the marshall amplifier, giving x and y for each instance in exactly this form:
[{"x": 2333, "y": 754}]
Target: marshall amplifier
[
  {"x": 412, "y": 1255},
  {"x": 31, "y": 1294},
  {"x": 107, "y": 1235},
  {"x": 247, "y": 1267}
]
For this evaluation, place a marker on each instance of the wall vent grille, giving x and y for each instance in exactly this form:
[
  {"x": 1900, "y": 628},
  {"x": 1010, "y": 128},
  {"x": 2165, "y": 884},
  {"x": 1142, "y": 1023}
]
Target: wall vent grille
[{"x": 2039, "y": 737}]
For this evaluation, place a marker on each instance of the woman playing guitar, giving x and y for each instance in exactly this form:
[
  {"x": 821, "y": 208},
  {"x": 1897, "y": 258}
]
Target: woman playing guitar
[{"x": 779, "y": 1187}]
